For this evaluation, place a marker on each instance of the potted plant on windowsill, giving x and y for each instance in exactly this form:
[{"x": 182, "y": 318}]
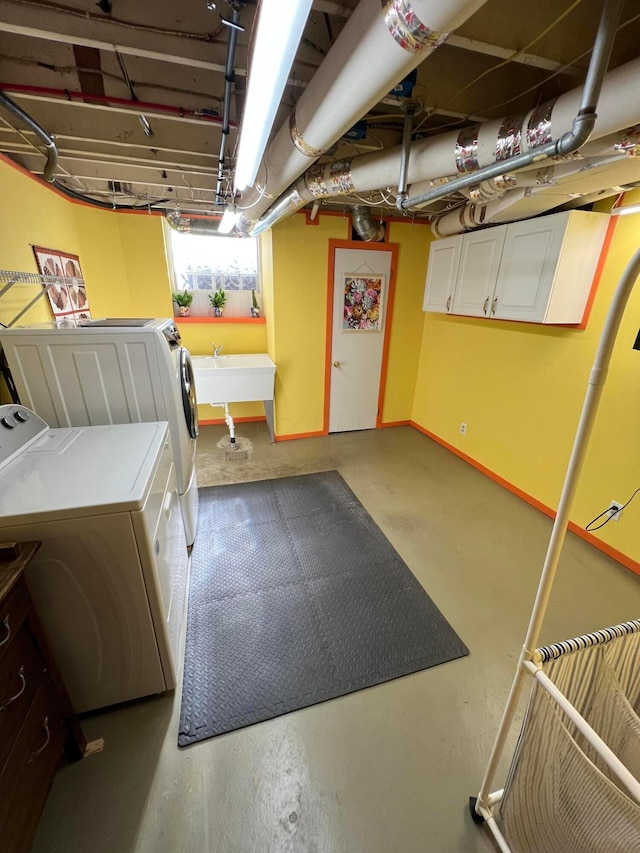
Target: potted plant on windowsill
[
  {"x": 218, "y": 299},
  {"x": 183, "y": 301},
  {"x": 255, "y": 308}
]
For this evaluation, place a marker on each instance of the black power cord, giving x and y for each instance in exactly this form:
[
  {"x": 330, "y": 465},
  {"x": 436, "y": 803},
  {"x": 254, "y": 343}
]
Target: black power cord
[{"x": 610, "y": 512}]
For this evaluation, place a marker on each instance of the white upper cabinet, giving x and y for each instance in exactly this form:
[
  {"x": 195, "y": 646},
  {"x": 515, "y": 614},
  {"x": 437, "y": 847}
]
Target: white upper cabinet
[
  {"x": 547, "y": 267},
  {"x": 539, "y": 270},
  {"x": 477, "y": 272},
  {"x": 444, "y": 258}
]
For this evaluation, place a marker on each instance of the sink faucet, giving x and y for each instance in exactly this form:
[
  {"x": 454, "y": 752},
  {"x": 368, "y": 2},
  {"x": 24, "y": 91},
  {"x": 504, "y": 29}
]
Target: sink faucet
[{"x": 216, "y": 350}]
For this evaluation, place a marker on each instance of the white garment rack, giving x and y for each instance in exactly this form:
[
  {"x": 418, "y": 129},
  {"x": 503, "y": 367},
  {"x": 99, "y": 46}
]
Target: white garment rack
[{"x": 531, "y": 658}]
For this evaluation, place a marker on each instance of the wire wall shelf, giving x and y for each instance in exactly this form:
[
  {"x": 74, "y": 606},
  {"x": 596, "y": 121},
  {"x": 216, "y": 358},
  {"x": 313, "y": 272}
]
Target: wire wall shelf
[{"x": 10, "y": 278}]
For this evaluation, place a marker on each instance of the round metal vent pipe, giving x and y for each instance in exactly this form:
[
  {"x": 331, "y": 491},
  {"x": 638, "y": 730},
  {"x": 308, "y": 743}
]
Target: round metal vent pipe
[{"x": 366, "y": 228}]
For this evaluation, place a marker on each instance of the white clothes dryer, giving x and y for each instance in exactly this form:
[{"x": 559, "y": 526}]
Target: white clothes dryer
[
  {"x": 112, "y": 371},
  {"x": 109, "y": 580}
]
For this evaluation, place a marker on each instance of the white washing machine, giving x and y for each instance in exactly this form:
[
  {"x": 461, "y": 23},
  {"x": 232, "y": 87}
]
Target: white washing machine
[
  {"x": 112, "y": 371},
  {"x": 109, "y": 580}
]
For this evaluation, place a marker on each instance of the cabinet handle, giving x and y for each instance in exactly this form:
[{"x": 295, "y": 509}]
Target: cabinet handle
[
  {"x": 494, "y": 306},
  {"x": 448, "y": 302},
  {"x": 23, "y": 684},
  {"x": 486, "y": 305},
  {"x": 47, "y": 731},
  {"x": 7, "y": 628}
]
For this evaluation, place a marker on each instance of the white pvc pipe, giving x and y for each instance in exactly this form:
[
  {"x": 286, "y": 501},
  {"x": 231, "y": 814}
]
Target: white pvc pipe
[
  {"x": 125, "y": 50},
  {"x": 366, "y": 61},
  {"x": 597, "y": 379}
]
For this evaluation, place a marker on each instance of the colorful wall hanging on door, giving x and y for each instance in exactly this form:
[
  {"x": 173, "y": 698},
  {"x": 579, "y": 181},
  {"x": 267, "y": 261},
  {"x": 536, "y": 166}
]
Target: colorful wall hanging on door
[
  {"x": 67, "y": 297},
  {"x": 362, "y": 302}
]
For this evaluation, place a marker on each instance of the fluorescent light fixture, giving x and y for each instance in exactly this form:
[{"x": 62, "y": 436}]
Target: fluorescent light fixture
[
  {"x": 622, "y": 211},
  {"x": 228, "y": 221},
  {"x": 278, "y": 35}
]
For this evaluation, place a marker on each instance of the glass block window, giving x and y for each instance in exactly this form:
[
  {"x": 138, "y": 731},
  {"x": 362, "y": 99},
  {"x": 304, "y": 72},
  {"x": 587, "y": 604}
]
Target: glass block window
[{"x": 202, "y": 262}]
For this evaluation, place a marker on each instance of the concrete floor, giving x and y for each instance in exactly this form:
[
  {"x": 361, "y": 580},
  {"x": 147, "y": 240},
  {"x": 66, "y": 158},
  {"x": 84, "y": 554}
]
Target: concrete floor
[{"x": 385, "y": 769}]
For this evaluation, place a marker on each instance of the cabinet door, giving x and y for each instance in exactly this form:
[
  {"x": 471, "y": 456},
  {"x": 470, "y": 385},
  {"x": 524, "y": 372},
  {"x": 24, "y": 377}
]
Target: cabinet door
[
  {"x": 444, "y": 257},
  {"x": 527, "y": 269},
  {"x": 478, "y": 271}
]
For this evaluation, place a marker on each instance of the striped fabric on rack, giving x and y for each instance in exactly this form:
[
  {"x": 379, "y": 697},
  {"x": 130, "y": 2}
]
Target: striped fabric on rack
[
  {"x": 556, "y": 650},
  {"x": 560, "y": 797}
]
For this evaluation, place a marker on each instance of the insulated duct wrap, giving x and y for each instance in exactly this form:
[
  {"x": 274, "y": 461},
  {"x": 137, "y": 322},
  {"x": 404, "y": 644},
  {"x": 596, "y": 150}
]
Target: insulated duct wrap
[
  {"x": 407, "y": 29},
  {"x": 380, "y": 44}
]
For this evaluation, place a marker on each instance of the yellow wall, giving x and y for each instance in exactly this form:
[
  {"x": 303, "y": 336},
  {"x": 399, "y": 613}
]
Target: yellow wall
[
  {"x": 30, "y": 214},
  {"x": 519, "y": 388},
  {"x": 300, "y": 259},
  {"x": 408, "y": 320}
]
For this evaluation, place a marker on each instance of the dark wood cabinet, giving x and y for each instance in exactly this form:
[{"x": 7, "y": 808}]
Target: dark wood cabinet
[{"x": 37, "y": 725}]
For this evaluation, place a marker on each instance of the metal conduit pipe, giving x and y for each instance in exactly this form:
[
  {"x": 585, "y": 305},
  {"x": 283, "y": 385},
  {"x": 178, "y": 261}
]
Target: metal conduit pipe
[
  {"x": 52, "y": 161},
  {"x": 229, "y": 79},
  {"x": 43, "y": 136},
  {"x": 582, "y": 126},
  {"x": 399, "y": 34},
  {"x": 409, "y": 110}
]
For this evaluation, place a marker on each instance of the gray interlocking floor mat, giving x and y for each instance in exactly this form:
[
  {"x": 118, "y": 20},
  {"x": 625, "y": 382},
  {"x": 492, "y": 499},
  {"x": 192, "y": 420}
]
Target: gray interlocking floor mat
[{"x": 297, "y": 597}]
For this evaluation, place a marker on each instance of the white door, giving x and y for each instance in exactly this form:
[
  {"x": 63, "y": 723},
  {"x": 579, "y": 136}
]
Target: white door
[{"x": 359, "y": 317}]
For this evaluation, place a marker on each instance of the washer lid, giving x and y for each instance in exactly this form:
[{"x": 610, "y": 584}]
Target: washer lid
[{"x": 81, "y": 471}]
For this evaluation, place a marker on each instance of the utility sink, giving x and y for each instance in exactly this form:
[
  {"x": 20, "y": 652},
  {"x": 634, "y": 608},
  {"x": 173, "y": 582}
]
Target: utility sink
[{"x": 235, "y": 379}]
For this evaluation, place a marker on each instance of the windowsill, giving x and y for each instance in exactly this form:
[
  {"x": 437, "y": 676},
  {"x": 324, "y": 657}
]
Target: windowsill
[{"x": 251, "y": 320}]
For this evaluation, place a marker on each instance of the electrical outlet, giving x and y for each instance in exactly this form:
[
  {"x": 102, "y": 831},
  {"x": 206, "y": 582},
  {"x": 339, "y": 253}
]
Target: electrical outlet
[
  {"x": 615, "y": 510},
  {"x": 463, "y": 429}
]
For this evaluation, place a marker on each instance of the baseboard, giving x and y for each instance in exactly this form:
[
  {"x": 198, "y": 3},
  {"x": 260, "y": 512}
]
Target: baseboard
[
  {"x": 295, "y": 435},
  {"x": 609, "y": 550},
  {"x": 395, "y": 424},
  {"x": 218, "y": 421}
]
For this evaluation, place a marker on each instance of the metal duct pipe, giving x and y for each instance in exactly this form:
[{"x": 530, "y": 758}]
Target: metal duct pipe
[
  {"x": 366, "y": 228},
  {"x": 192, "y": 225},
  {"x": 437, "y": 160},
  {"x": 507, "y": 156},
  {"x": 398, "y": 35}
]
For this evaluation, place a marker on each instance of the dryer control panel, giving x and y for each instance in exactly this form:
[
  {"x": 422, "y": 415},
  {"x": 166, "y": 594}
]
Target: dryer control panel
[{"x": 19, "y": 428}]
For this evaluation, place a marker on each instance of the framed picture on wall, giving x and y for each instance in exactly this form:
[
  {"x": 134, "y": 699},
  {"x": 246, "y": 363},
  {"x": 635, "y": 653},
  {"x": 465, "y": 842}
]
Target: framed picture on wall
[
  {"x": 67, "y": 296},
  {"x": 363, "y": 296}
]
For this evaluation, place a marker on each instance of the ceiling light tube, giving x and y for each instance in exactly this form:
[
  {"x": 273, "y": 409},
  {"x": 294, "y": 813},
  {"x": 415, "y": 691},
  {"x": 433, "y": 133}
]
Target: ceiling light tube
[
  {"x": 277, "y": 38},
  {"x": 622, "y": 211},
  {"x": 228, "y": 221}
]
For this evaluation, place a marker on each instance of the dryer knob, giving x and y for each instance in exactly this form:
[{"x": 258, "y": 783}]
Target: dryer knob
[
  {"x": 21, "y": 416},
  {"x": 8, "y": 422}
]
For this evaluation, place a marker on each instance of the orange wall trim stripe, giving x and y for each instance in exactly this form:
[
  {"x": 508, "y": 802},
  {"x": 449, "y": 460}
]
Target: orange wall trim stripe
[
  {"x": 624, "y": 559},
  {"x": 396, "y": 424},
  {"x": 295, "y": 435},
  {"x": 250, "y": 320},
  {"x": 218, "y": 421},
  {"x": 9, "y": 162}
]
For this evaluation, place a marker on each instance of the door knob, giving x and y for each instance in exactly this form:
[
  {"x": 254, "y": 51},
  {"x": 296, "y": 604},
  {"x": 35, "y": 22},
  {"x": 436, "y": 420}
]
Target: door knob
[{"x": 336, "y": 364}]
